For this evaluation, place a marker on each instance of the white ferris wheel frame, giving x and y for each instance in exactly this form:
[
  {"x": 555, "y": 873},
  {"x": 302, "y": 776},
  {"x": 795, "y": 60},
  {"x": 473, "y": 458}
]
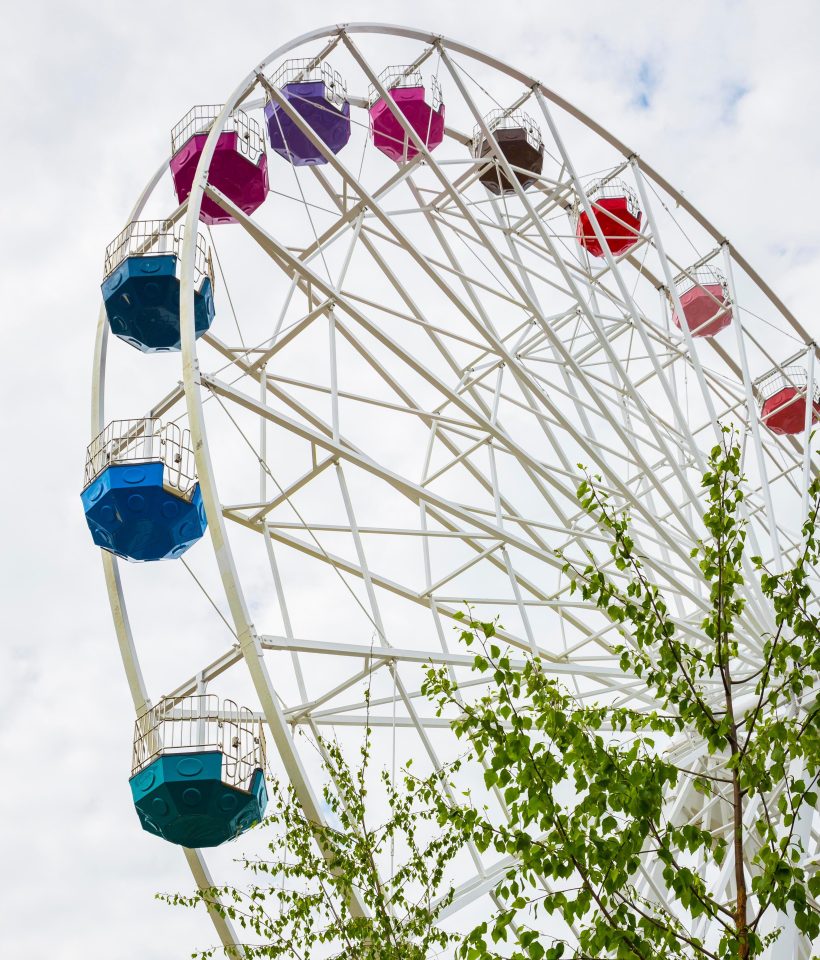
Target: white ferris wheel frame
[{"x": 250, "y": 644}]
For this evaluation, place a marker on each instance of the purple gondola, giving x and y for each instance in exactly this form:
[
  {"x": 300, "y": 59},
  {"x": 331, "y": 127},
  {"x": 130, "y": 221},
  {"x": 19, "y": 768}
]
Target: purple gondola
[{"x": 319, "y": 96}]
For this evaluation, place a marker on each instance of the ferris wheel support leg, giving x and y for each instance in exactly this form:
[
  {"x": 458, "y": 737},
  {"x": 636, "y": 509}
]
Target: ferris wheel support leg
[
  {"x": 283, "y": 608},
  {"x": 274, "y": 567},
  {"x": 204, "y": 881}
]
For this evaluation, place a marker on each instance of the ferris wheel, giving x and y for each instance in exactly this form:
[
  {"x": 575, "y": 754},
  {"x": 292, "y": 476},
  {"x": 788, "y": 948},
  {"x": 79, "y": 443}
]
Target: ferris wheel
[{"x": 411, "y": 289}]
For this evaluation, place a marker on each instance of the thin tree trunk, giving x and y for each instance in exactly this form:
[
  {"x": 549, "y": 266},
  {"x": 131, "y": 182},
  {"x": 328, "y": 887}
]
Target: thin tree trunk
[{"x": 741, "y": 918}]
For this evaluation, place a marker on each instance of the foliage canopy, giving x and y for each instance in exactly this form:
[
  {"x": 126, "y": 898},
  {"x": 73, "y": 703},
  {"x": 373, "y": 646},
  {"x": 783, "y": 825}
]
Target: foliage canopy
[{"x": 677, "y": 827}]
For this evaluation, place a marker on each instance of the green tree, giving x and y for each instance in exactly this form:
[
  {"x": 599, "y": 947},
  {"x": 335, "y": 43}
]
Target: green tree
[
  {"x": 586, "y": 785},
  {"x": 298, "y": 904}
]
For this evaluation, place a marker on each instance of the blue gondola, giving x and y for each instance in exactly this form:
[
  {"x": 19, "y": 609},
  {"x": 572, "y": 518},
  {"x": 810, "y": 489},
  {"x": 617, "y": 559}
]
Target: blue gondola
[
  {"x": 198, "y": 772},
  {"x": 141, "y": 286},
  {"x": 141, "y": 497}
]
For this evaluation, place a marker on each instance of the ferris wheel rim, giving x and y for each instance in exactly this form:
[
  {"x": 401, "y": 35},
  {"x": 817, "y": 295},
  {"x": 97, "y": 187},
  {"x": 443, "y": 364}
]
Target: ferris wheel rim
[{"x": 191, "y": 377}]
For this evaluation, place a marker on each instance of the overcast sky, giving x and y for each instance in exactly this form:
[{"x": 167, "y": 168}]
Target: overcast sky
[{"x": 721, "y": 97}]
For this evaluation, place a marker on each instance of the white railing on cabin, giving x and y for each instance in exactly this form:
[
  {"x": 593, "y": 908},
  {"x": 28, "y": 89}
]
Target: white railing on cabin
[
  {"x": 200, "y": 119},
  {"x": 506, "y": 120},
  {"x": 200, "y": 723},
  {"x": 146, "y": 440},
  {"x": 397, "y": 77},
  {"x": 308, "y": 71},
  {"x": 152, "y": 238}
]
